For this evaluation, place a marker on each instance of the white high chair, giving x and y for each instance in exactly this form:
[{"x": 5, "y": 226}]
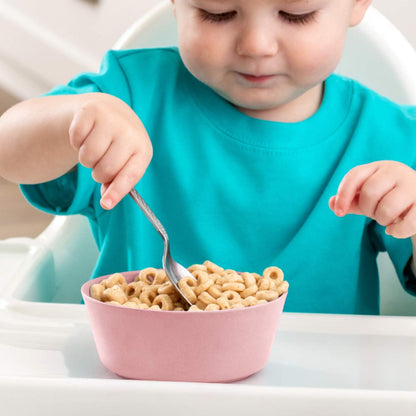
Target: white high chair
[{"x": 61, "y": 258}]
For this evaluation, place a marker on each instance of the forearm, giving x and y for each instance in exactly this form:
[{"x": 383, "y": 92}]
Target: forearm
[{"x": 34, "y": 139}]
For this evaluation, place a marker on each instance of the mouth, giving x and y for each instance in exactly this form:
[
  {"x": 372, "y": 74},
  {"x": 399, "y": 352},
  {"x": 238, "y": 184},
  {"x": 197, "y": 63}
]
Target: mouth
[{"x": 258, "y": 79}]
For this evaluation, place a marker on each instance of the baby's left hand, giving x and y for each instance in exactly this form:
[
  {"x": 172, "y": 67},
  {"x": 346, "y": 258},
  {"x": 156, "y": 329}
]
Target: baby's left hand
[{"x": 384, "y": 191}]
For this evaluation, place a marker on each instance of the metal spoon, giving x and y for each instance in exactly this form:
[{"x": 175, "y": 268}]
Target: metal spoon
[{"x": 173, "y": 270}]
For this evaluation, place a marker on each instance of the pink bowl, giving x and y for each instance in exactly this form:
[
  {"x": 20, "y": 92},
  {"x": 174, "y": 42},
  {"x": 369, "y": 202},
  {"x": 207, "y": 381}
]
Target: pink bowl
[{"x": 215, "y": 346}]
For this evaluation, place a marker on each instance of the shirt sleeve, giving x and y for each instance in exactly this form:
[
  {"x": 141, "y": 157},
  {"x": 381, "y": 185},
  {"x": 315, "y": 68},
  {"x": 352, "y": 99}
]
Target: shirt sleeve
[
  {"x": 73, "y": 193},
  {"x": 76, "y": 192},
  {"x": 111, "y": 79},
  {"x": 400, "y": 253}
]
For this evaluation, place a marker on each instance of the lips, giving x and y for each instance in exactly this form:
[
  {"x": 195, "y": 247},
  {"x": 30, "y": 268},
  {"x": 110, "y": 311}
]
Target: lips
[{"x": 256, "y": 78}]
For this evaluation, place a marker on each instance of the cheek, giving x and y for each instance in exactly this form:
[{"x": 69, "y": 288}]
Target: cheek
[
  {"x": 199, "y": 53},
  {"x": 320, "y": 57}
]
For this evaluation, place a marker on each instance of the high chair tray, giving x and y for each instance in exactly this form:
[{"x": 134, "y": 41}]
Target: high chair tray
[{"x": 319, "y": 364}]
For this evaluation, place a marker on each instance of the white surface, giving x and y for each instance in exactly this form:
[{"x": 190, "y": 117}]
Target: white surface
[
  {"x": 402, "y": 13},
  {"x": 47, "y": 42},
  {"x": 319, "y": 364}
]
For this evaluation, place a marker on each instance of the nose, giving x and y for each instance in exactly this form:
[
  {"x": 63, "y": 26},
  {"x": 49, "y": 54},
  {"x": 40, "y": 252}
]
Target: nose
[{"x": 257, "y": 41}]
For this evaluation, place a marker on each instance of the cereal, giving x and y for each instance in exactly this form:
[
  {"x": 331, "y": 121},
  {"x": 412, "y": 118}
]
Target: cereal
[
  {"x": 116, "y": 279},
  {"x": 148, "y": 295},
  {"x": 212, "y": 267},
  {"x": 166, "y": 288},
  {"x": 283, "y": 287},
  {"x": 231, "y": 296},
  {"x": 267, "y": 295},
  {"x": 223, "y": 303},
  {"x": 203, "y": 282},
  {"x": 147, "y": 275},
  {"x": 187, "y": 286},
  {"x": 273, "y": 273},
  {"x": 115, "y": 293},
  {"x": 197, "y": 267},
  {"x": 250, "y": 301},
  {"x": 164, "y": 301},
  {"x": 212, "y": 307},
  {"x": 134, "y": 289},
  {"x": 234, "y": 286},
  {"x": 265, "y": 283},
  {"x": 215, "y": 291},
  {"x": 132, "y": 305},
  {"x": 97, "y": 291},
  {"x": 212, "y": 289},
  {"x": 206, "y": 298}
]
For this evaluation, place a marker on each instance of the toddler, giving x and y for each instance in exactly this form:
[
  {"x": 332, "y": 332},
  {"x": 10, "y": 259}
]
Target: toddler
[{"x": 242, "y": 140}]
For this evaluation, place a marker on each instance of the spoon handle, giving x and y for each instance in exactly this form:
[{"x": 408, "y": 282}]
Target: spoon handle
[{"x": 149, "y": 213}]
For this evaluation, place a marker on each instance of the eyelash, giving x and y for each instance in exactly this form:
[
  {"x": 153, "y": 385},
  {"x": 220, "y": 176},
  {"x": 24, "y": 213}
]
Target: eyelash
[
  {"x": 300, "y": 19},
  {"x": 216, "y": 17}
]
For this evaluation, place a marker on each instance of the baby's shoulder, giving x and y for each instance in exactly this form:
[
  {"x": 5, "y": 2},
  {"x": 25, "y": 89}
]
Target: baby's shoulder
[
  {"x": 144, "y": 70},
  {"x": 382, "y": 107},
  {"x": 152, "y": 58},
  {"x": 380, "y": 113}
]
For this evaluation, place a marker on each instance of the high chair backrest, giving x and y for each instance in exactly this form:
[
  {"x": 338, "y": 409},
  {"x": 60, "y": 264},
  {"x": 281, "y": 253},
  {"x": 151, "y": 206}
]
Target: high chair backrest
[{"x": 376, "y": 54}]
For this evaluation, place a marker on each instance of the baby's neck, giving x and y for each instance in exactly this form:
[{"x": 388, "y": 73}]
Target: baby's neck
[{"x": 294, "y": 111}]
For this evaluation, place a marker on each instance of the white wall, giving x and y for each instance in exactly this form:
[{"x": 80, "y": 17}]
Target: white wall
[{"x": 402, "y": 13}]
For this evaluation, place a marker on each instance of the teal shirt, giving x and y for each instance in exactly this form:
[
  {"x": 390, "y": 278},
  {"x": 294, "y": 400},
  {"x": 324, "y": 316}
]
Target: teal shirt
[{"x": 242, "y": 192}]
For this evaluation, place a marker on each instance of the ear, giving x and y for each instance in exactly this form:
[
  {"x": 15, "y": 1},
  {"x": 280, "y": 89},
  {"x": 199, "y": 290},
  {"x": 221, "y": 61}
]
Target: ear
[
  {"x": 174, "y": 8},
  {"x": 358, "y": 11}
]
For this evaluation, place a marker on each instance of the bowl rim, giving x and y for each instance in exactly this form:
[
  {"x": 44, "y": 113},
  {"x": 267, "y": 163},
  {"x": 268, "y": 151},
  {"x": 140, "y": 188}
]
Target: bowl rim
[{"x": 89, "y": 283}]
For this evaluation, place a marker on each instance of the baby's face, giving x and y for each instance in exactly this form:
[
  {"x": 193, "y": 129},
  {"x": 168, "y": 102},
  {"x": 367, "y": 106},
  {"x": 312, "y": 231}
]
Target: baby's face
[{"x": 267, "y": 57}]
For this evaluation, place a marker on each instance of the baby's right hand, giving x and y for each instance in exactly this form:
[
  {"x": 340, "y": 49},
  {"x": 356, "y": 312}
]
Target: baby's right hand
[{"x": 112, "y": 141}]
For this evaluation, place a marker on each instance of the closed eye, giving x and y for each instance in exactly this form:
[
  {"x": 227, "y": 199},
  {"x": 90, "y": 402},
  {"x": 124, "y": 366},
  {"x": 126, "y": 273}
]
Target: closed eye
[
  {"x": 216, "y": 17},
  {"x": 301, "y": 19}
]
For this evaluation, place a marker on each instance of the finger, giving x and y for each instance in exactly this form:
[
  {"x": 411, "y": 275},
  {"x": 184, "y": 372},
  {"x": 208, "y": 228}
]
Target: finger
[
  {"x": 80, "y": 128},
  {"x": 126, "y": 179},
  {"x": 373, "y": 190},
  {"x": 405, "y": 226},
  {"x": 353, "y": 209},
  {"x": 93, "y": 148},
  {"x": 104, "y": 188},
  {"x": 111, "y": 163},
  {"x": 331, "y": 202},
  {"x": 392, "y": 206},
  {"x": 351, "y": 185}
]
